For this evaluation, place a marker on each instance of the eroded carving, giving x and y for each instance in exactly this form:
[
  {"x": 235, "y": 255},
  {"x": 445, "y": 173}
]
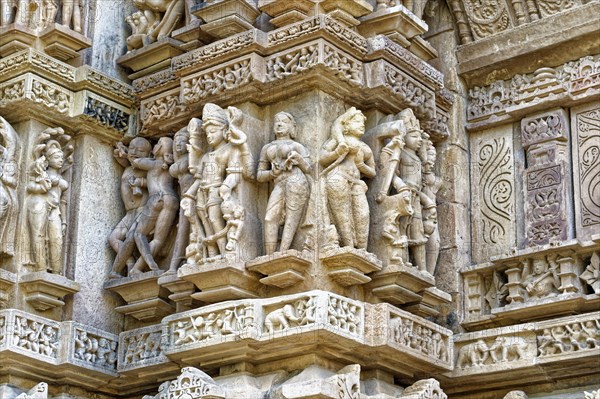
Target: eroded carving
[
  {"x": 142, "y": 347},
  {"x": 591, "y": 274},
  {"x": 406, "y": 332},
  {"x": 344, "y": 315},
  {"x": 36, "y": 337},
  {"x": 9, "y": 176},
  {"x": 106, "y": 114},
  {"x": 94, "y": 349},
  {"x": 208, "y": 325},
  {"x": 50, "y": 96},
  {"x": 293, "y": 62},
  {"x": 570, "y": 337},
  {"x": 219, "y": 80},
  {"x": 191, "y": 383},
  {"x": 296, "y": 314},
  {"x": 46, "y": 201}
]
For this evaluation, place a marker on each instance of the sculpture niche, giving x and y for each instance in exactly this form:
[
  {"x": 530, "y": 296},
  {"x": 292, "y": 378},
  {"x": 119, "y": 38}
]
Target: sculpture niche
[
  {"x": 155, "y": 20},
  {"x": 40, "y": 14},
  {"x": 407, "y": 170},
  {"x": 215, "y": 214},
  {"x": 46, "y": 202},
  {"x": 286, "y": 163},
  {"x": 9, "y": 175},
  {"x": 345, "y": 159},
  {"x": 150, "y": 230}
]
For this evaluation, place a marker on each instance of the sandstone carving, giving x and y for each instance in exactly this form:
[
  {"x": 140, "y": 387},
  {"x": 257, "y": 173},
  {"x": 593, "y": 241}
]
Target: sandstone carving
[
  {"x": 180, "y": 171},
  {"x": 299, "y": 313},
  {"x": 40, "y": 391},
  {"x": 345, "y": 159},
  {"x": 210, "y": 325},
  {"x": 46, "y": 201},
  {"x": 286, "y": 163},
  {"x": 28, "y": 13},
  {"x": 155, "y": 20},
  {"x": 344, "y": 315},
  {"x": 569, "y": 338},
  {"x": 421, "y": 338},
  {"x": 543, "y": 281},
  {"x": 505, "y": 349},
  {"x": 191, "y": 383},
  {"x": 141, "y": 348},
  {"x": 591, "y": 275},
  {"x": 9, "y": 175},
  {"x": 36, "y": 337},
  {"x": 211, "y": 204},
  {"x": 516, "y": 395},
  {"x": 473, "y": 354},
  {"x": 95, "y": 349},
  {"x": 72, "y": 14},
  {"x": 134, "y": 195}
]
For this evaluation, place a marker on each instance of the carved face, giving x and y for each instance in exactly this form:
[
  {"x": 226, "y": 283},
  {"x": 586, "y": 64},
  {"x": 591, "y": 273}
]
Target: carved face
[
  {"x": 538, "y": 268},
  {"x": 356, "y": 125},
  {"x": 56, "y": 159},
  {"x": 215, "y": 134},
  {"x": 138, "y": 149},
  {"x": 180, "y": 143},
  {"x": 283, "y": 126},
  {"x": 413, "y": 140}
]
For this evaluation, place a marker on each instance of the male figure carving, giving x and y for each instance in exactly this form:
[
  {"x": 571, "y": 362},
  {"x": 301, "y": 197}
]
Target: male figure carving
[
  {"x": 217, "y": 173},
  {"x": 9, "y": 148}
]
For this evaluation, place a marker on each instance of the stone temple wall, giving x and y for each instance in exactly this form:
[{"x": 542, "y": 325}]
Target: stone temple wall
[{"x": 299, "y": 199}]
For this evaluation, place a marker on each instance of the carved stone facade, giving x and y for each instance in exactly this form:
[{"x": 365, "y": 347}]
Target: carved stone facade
[{"x": 276, "y": 199}]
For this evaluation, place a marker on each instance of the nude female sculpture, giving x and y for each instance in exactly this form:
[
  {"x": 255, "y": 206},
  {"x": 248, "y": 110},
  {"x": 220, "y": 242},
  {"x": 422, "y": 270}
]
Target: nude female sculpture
[
  {"x": 46, "y": 200},
  {"x": 286, "y": 163},
  {"x": 346, "y": 159},
  {"x": 9, "y": 168}
]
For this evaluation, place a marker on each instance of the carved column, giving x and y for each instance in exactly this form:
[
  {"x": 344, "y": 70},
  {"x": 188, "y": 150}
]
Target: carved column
[
  {"x": 547, "y": 182},
  {"x": 585, "y": 140}
]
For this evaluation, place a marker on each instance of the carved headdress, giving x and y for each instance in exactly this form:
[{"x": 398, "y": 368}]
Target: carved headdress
[
  {"x": 213, "y": 114},
  {"x": 410, "y": 120}
]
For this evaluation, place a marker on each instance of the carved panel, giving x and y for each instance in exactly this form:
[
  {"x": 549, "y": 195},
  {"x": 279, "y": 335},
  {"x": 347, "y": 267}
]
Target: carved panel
[
  {"x": 487, "y": 17},
  {"x": 408, "y": 333},
  {"x": 547, "y": 176},
  {"x": 292, "y": 62},
  {"x": 50, "y": 95},
  {"x": 493, "y": 196},
  {"x": 586, "y": 174},
  {"x": 141, "y": 347},
  {"x": 33, "y": 336},
  {"x": 163, "y": 107},
  {"x": 91, "y": 348},
  {"x": 414, "y": 94},
  {"x": 106, "y": 114},
  {"x": 283, "y": 316},
  {"x": 345, "y": 315},
  {"x": 551, "y": 7}
]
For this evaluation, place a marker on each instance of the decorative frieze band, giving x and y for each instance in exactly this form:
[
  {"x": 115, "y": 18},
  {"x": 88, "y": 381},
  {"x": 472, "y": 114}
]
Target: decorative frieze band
[{"x": 573, "y": 81}]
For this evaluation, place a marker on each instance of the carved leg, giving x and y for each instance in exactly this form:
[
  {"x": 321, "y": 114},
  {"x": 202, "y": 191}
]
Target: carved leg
[
  {"x": 181, "y": 242},
  {"x": 296, "y": 198},
  {"x": 76, "y": 16},
  {"x": 339, "y": 204},
  {"x": 215, "y": 218},
  {"x": 67, "y": 12},
  {"x": 360, "y": 214},
  {"x": 55, "y": 241},
  {"x": 164, "y": 223},
  {"x": 37, "y": 219},
  {"x": 274, "y": 214}
]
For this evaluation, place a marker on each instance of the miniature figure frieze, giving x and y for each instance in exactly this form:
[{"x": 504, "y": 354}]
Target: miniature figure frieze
[
  {"x": 299, "y": 313},
  {"x": 292, "y": 62},
  {"x": 9, "y": 176},
  {"x": 571, "y": 337},
  {"x": 211, "y": 204},
  {"x": 287, "y": 164},
  {"x": 501, "y": 350},
  {"x": 154, "y": 20},
  {"x": 411, "y": 92},
  {"x": 180, "y": 170},
  {"x": 12, "y": 91},
  {"x": 345, "y": 315},
  {"x": 36, "y": 337},
  {"x": 134, "y": 194},
  {"x": 347, "y": 67},
  {"x": 198, "y": 327},
  {"x": 223, "y": 78},
  {"x": 106, "y": 114},
  {"x": 46, "y": 200},
  {"x": 345, "y": 159},
  {"x": 140, "y": 347},
  {"x": 191, "y": 383},
  {"x": 51, "y": 96},
  {"x": 591, "y": 274},
  {"x": 160, "y": 108},
  {"x": 408, "y": 333},
  {"x": 93, "y": 349}
]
